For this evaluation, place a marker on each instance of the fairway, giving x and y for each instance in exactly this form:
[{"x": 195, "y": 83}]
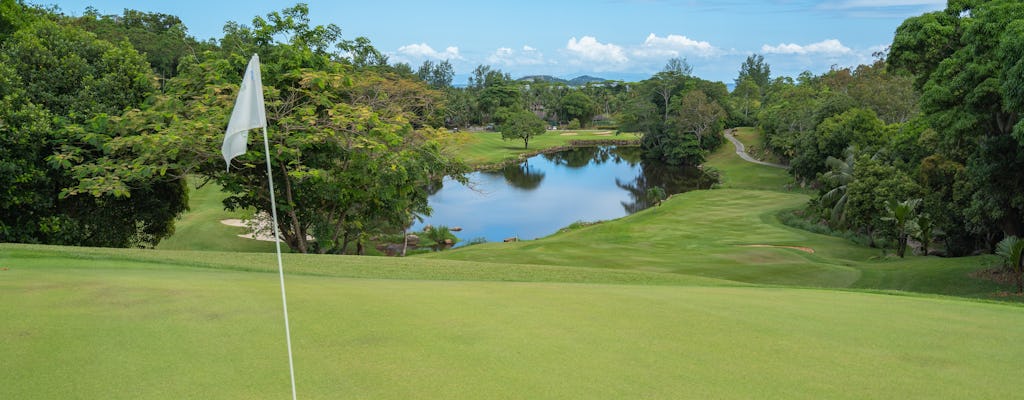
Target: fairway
[
  {"x": 705, "y": 296},
  {"x": 103, "y": 328}
]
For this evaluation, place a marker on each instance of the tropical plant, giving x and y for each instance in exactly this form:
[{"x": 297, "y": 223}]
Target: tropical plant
[
  {"x": 441, "y": 237},
  {"x": 1011, "y": 249},
  {"x": 901, "y": 214},
  {"x": 925, "y": 231},
  {"x": 840, "y": 175}
]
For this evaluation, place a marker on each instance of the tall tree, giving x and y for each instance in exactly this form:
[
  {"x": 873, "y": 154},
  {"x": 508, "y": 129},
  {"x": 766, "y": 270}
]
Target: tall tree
[
  {"x": 670, "y": 81},
  {"x": 756, "y": 70},
  {"x": 522, "y": 125},
  {"x": 63, "y": 95},
  {"x": 698, "y": 114},
  {"x": 577, "y": 105},
  {"x": 969, "y": 63}
]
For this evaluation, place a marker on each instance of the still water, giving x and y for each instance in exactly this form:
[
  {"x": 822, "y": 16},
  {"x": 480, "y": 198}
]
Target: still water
[{"x": 550, "y": 191}]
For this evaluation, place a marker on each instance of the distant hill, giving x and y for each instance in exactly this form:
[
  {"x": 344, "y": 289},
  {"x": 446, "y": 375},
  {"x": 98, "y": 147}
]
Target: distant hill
[
  {"x": 542, "y": 78},
  {"x": 577, "y": 81},
  {"x": 585, "y": 79}
]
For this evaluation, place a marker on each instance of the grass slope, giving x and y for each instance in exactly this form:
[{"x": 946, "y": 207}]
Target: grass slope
[
  {"x": 200, "y": 227},
  {"x": 705, "y": 233},
  {"x": 106, "y": 328},
  {"x": 667, "y": 303}
]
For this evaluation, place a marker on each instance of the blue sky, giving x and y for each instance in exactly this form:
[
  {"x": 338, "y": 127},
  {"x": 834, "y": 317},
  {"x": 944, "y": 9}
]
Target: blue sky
[{"x": 617, "y": 39}]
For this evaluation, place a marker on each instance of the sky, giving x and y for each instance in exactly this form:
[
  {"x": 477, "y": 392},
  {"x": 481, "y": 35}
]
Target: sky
[{"x": 614, "y": 39}]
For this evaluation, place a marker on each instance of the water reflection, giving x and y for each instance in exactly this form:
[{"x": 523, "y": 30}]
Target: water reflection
[
  {"x": 670, "y": 179},
  {"x": 520, "y": 176},
  {"x": 548, "y": 192}
]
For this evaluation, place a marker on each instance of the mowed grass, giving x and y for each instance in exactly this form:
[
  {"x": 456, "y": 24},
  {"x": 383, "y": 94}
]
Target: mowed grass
[
  {"x": 668, "y": 303},
  {"x": 481, "y": 148},
  {"x": 200, "y": 227},
  {"x": 709, "y": 233},
  {"x": 739, "y": 174},
  {"x": 92, "y": 325}
]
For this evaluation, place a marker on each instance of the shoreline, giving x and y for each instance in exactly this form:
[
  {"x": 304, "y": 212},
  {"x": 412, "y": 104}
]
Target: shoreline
[{"x": 573, "y": 144}]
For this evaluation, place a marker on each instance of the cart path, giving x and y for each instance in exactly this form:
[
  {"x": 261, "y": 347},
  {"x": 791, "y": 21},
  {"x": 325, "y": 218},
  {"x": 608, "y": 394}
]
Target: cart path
[{"x": 742, "y": 151}]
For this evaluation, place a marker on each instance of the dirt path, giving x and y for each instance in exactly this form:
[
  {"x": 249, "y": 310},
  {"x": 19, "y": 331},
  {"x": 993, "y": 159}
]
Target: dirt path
[{"x": 742, "y": 151}]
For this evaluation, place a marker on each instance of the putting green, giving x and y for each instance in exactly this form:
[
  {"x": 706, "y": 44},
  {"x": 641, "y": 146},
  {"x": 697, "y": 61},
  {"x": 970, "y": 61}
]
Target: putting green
[{"x": 76, "y": 328}]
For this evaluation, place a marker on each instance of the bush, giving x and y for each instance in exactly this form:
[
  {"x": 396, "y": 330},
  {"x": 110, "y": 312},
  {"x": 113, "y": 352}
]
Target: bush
[{"x": 574, "y": 124}]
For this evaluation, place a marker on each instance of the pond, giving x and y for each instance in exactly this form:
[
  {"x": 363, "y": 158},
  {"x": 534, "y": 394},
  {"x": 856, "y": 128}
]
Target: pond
[{"x": 550, "y": 191}]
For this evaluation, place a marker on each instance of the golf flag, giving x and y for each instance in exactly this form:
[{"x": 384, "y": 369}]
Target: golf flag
[{"x": 249, "y": 112}]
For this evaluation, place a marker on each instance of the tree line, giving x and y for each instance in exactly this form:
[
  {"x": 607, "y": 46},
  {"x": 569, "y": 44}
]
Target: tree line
[
  {"x": 924, "y": 144},
  {"x": 106, "y": 117}
]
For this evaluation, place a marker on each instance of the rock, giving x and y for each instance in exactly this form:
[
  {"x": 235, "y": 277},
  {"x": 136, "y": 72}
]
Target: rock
[
  {"x": 511, "y": 239},
  {"x": 448, "y": 242},
  {"x": 413, "y": 240}
]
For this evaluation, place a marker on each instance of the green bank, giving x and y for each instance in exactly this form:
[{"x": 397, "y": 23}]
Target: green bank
[{"x": 92, "y": 325}]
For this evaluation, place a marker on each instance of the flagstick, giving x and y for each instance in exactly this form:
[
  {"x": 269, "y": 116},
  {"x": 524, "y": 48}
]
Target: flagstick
[{"x": 280, "y": 266}]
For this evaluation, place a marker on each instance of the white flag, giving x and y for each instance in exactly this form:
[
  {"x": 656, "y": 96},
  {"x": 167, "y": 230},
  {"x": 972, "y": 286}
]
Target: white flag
[{"x": 249, "y": 112}]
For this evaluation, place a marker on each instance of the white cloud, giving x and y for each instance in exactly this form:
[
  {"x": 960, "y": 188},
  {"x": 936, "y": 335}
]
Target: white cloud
[
  {"x": 423, "y": 50},
  {"x": 509, "y": 57},
  {"x": 674, "y": 46},
  {"x": 827, "y": 47},
  {"x": 590, "y": 50}
]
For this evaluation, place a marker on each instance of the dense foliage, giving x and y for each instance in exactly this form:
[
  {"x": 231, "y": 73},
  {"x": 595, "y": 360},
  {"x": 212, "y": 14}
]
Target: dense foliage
[
  {"x": 95, "y": 156},
  {"x": 938, "y": 119}
]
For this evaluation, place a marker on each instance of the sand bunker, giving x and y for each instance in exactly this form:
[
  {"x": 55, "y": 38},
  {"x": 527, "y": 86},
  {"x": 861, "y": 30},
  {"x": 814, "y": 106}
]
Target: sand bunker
[{"x": 241, "y": 224}]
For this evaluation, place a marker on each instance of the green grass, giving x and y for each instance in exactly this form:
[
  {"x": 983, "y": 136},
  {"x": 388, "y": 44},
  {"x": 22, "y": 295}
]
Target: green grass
[
  {"x": 93, "y": 325},
  {"x": 705, "y": 233},
  {"x": 755, "y": 142},
  {"x": 480, "y": 148},
  {"x": 739, "y": 174},
  {"x": 668, "y": 303},
  {"x": 200, "y": 228}
]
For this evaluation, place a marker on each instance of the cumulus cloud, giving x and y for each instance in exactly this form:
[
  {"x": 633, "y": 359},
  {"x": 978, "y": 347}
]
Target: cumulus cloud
[
  {"x": 674, "y": 46},
  {"x": 508, "y": 57},
  {"x": 589, "y": 49},
  {"x": 422, "y": 50},
  {"x": 826, "y": 47}
]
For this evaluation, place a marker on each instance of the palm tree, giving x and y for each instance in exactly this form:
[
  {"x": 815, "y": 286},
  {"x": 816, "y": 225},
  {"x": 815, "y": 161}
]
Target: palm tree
[
  {"x": 1011, "y": 249},
  {"x": 925, "y": 231},
  {"x": 902, "y": 214},
  {"x": 838, "y": 177}
]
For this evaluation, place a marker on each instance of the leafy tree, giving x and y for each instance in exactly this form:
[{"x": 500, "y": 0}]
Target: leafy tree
[
  {"x": 1011, "y": 249},
  {"x": 857, "y": 127},
  {"x": 346, "y": 162},
  {"x": 747, "y": 97},
  {"x": 577, "y": 105},
  {"x": 925, "y": 231},
  {"x": 523, "y": 125},
  {"x": 874, "y": 184},
  {"x": 161, "y": 38},
  {"x": 756, "y": 71},
  {"x": 438, "y": 76},
  {"x": 670, "y": 81},
  {"x": 836, "y": 181},
  {"x": 967, "y": 63},
  {"x": 699, "y": 115},
  {"x": 902, "y": 215},
  {"x": 62, "y": 96}
]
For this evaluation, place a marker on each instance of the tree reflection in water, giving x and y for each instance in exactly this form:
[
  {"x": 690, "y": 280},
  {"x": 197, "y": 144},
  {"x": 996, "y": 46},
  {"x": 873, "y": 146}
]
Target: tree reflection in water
[
  {"x": 670, "y": 178},
  {"x": 520, "y": 176}
]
